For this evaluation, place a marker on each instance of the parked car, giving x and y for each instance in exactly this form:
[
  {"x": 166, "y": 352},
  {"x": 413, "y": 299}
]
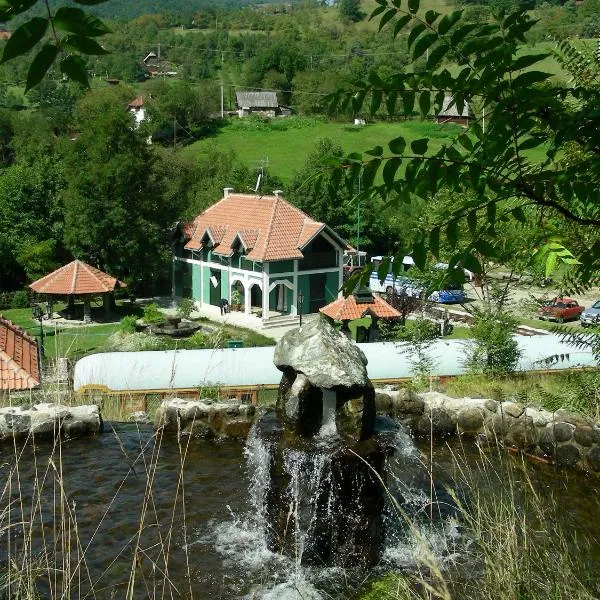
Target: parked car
[
  {"x": 591, "y": 316},
  {"x": 560, "y": 310}
]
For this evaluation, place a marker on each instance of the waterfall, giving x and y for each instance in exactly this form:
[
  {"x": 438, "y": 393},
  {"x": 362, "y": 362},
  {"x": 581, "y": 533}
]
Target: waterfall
[{"x": 328, "y": 425}]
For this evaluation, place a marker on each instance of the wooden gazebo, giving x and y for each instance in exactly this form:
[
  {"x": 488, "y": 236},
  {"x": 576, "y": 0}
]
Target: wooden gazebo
[
  {"x": 358, "y": 305},
  {"x": 78, "y": 279}
]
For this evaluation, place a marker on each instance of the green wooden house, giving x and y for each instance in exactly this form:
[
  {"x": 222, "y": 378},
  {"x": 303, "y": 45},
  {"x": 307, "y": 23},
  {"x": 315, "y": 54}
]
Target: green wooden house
[{"x": 280, "y": 261}]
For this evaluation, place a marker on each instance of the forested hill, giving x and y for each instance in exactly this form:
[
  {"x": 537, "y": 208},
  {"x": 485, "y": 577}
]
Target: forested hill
[{"x": 125, "y": 9}]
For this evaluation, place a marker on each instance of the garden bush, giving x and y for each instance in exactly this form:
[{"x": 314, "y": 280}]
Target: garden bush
[
  {"x": 20, "y": 299},
  {"x": 152, "y": 314}
]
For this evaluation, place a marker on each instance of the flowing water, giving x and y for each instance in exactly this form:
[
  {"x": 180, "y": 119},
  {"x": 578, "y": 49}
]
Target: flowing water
[{"x": 203, "y": 536}]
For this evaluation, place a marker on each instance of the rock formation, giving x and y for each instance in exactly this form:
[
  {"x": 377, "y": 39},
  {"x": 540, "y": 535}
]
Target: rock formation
[
  {"x": 324, "y": 464},
  {"x": 49, "y": 421}
]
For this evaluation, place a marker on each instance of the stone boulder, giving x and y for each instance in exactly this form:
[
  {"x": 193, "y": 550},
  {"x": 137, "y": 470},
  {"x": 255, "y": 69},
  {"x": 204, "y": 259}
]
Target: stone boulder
[
  {"x": 326, "y": 357},
  {"x": 324, "y": 386},
  {"x": 205, "y": 418},
  {"x": 46, "y": 420}
]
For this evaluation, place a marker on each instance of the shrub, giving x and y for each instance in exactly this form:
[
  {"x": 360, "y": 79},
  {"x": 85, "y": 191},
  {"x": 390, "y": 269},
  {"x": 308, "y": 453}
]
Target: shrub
[
  {"x": 20, "y": 299},
  {"x": 128, "y": 324},
  {"x": 185, "y": 307},
  {"x": 197, "y": 340},
  {"x": 493, "y": 350},
  {"x": 236, "y": 296},
  {"x": 152, "y": 314}
]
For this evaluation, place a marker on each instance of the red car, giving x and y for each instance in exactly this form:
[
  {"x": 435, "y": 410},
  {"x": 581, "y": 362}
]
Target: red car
[{"x": 560, "y": 309}]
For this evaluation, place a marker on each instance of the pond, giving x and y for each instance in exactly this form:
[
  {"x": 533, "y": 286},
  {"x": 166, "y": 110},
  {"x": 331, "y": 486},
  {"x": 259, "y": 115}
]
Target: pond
[{"x": 76, "y": 513}]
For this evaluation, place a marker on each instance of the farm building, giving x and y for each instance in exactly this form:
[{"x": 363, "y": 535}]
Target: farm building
[
  {"x": 137, "y": 109},
  {"x": 450, "y": 113},
  {"x": 242, "y": 372},
  {"x": 260, "y": 252},
  {"x": 263, "y": 103},
  {"x": 19, "y": 359}
]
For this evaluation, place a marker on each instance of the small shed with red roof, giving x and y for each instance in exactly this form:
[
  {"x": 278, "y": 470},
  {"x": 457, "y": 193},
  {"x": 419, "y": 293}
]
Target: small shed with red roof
[
  {"x": 19, "y": 358},
  {"x": 78, "y": 279},
  {"x": 360, "y": 304},
  {"x": 259, "y": 252}
]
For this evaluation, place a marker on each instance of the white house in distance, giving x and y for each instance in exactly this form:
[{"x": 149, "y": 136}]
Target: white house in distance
[
  {"x": 136, "y": 108},
  {"x": 268, "y": 250}
]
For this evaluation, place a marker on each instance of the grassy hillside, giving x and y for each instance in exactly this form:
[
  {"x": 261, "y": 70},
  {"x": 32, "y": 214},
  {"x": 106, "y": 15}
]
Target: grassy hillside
[{"x": 287, "y": 149}]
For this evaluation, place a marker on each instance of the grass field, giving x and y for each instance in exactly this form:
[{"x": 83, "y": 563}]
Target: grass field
[{"x": 285, "y": 151}]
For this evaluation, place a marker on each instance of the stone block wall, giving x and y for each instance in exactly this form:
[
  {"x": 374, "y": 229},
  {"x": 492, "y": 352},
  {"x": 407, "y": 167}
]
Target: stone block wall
[
  {"x": 205, "y": 418},
  {"x": 564, "y": 437}
]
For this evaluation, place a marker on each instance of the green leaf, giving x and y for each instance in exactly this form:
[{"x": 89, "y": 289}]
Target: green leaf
[
  {"x": 82, "y": 44},
  {"x": 376, "y": 151},
  {"x": 431, "y": 16},
  {"x": 452, "y": 233},
  {"x": 408, "y": 101},
  {"x": 377, "y": 11},
  {"x": 415, "y": 32},
  {"x": 448, "y": 21},
  {"x": 424, "y": 103},
  {"x": 465, "y": 141},
  {"x": 436, "y": 56},
  {"x": 527, "y": 79},
  {"x": 419, "y": 146},
  {"x": 397, "y": 145},
  {"x": 40, "y": 65},
  {"x": 491, "y": 213},
  {"x": 369, "y": 172},
  {"x": 376, "y": 96},
  {"x": 74, "y": 68},
  {"x": 75, "y": 20},
  {"x": 389, "y": 15},
  {"x": 434, "y": 241},
  {"x": 413, "y": 6},
  {"x": 526, "y": 61},
  {"x": 519, "y": 215},
  {"x": 471, "y": 262},
  {"x": 551, "y": 263},
  {"x": 24, "y": 38},
  {"x": 90, "y": 2},
  {"x": 421, "y": 46},
  {"x": 389, "y": 171},
  {"x": 419, "y": 254},
  {"x": 485, "y": 248},
  {"x": 472, "y": 222},
  {"x": 401, "y": 23}
]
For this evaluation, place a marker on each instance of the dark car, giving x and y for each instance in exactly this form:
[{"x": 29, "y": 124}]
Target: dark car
[{"x": 560, "y": 310}]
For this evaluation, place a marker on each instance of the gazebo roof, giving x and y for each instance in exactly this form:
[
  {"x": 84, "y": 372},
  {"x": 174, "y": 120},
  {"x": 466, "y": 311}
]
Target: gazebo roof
[
  {"x": 76, "y": 278},
  {"x": 347, "y": 309}
]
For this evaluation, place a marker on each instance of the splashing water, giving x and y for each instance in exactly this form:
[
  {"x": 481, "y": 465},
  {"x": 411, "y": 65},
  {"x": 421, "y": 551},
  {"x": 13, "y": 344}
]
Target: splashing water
[{"x": 328, "y": 425}]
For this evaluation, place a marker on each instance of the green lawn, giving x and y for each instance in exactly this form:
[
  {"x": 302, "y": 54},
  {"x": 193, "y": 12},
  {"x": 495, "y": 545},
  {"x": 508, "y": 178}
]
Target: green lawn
[{"x": 287, "y": 150}]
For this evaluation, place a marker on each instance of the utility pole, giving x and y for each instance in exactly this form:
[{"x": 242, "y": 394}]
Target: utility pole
[
  {"x": 158, "y": 51},
  {"x": 222, "y": 113},
  {"x": 174, "y": 133}
]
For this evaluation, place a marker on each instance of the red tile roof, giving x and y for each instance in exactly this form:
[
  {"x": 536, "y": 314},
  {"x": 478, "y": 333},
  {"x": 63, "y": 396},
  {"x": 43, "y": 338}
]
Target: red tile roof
[
  {"x": 76, "y": 278},
  {"x": 19, "y": 368},
  {"x": 271, "y": 228},
  {"x": 137, "y": 102},
  {"x": 347, "y": 309}
]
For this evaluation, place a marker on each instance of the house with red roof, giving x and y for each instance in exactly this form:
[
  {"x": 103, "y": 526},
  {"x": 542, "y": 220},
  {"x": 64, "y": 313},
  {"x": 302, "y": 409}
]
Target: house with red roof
[
  {"x": 19, "y": 359},
  {"x": 261, "y": 250}
]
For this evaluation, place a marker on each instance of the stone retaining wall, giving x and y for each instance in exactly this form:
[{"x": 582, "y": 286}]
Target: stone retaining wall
[
  {"x": 49, "y": 420},
  {"x": 205, "y": 418},
  {"x": 564, "y": 437}
]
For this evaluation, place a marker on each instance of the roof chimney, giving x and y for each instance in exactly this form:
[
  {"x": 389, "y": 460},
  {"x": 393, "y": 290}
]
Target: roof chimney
[
  {"x": 227, "y": 191},
  {"x": 278, "y": 193}
]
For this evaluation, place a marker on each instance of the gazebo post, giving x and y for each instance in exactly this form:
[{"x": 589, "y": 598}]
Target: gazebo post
[
  {"x": 87, "y": 309},
  {"x": 106, "y": 303},
  {"x": 71, "y": 306}
]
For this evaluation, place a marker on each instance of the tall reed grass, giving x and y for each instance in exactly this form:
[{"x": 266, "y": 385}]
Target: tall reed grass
[{"x": 518, "y": 547}]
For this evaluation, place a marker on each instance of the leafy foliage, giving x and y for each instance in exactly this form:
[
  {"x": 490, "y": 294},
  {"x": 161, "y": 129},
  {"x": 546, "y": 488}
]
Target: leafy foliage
[
  {"x": 152, "y": 314},
  {"x": 513, "y": 171},
  {"x": 68, "y": 29}
]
